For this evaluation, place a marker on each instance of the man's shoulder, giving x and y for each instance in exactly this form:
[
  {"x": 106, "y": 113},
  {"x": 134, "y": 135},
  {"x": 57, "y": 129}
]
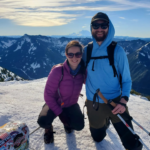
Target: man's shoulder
[{"x": 119, "y": 50}]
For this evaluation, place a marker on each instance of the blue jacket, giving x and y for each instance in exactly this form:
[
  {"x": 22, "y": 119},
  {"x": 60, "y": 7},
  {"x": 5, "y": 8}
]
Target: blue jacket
[{"x": 103, "y": 77}]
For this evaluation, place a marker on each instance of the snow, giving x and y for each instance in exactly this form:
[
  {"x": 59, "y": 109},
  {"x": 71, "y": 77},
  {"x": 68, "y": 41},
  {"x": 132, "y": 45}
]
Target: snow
[
  {"x": 147, "y": 44},
  {"x": 142, "y": 54},
  {"x": 32, "y": 48},
  {"x": 8, "y": 44},
  {"x": 44, "y": 40},
  {"x": 26, "y": 74},
  {"x": 63, "y": 53},
  {"x": 35, "y": 65},
  {"x": 7, "y": 76},
  {"x": 27, "y": 39},
  {"x": 7, "y": 79},
  {"x": 23, "y": 101},
  {"x": 127, "y": 53},
  {"x": 19, "y": 46},
  {"x": 44, "y": 63},
  {"x": 62, "y": 44}
]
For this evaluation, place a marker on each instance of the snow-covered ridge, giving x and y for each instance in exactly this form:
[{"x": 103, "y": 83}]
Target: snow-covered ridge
[
  {"x": 19, "y": 45},
  {"x": 45, "y": 40},
  {"x": 7, "y": 44},
  {"x": 35, "y": 65},
  {"x": 6, "y": 75}
]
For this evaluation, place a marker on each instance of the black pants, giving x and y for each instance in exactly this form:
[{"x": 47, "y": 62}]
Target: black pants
[
  {"x": 127, "y": 138},
  {"x": 73, "y": 112}
]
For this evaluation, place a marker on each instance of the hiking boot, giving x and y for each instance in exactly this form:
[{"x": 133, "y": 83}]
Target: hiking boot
[
  {"x": 68, "y": 129},
  {"x": 49, "y": 135}
]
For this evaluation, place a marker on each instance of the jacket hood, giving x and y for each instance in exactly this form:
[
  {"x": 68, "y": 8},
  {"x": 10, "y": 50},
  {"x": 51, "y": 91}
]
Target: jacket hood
[{"x": 109, "y": 38}]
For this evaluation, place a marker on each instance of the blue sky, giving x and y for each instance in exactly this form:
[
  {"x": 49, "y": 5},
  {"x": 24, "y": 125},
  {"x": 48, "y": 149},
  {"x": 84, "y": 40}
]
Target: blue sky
[{"x": 63, "y": 17}]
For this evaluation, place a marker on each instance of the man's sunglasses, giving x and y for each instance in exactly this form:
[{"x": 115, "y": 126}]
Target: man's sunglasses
[
  {"x": 102, "y": 25},
  {"x": 77, "y": 55}
]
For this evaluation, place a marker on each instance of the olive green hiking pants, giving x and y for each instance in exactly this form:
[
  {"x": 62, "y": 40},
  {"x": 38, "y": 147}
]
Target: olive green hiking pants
[
  {"x": 98, "y": 122},
  {"x": 97, "y": 119}
]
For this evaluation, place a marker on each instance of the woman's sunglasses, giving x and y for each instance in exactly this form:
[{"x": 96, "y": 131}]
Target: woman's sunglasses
[
  {"x": 77, "y": 55},
  {"x": 102, "y": 25}
]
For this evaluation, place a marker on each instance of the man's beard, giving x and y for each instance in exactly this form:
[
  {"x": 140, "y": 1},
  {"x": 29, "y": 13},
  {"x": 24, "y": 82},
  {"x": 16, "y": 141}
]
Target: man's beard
[{"x": 99, "y": 39}]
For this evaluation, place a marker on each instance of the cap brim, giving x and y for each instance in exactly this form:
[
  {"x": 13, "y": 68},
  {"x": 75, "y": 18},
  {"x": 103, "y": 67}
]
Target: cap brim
[{"x": 100, "y": 19}]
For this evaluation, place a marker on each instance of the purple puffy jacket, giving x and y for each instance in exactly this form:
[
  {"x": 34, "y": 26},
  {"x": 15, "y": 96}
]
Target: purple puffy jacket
[{"x": 70, "y": 88}]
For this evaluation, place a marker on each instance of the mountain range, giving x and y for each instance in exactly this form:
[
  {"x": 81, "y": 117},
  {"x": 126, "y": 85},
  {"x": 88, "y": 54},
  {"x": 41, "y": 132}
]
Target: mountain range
[
  {"x": 87, "y": 34},
  {"x": 32, "y": 57}
]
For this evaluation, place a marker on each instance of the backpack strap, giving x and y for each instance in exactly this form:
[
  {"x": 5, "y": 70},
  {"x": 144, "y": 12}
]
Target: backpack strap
[
  {"x": 110, "y": 51},
  {"x": 100, "y": 57},
  {"x": 89, "y": 52},
  {"x": 62, "y": 74}
]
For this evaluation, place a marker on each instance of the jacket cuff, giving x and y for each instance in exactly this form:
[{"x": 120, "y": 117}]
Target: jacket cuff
[{"x": 126, "y": 98}]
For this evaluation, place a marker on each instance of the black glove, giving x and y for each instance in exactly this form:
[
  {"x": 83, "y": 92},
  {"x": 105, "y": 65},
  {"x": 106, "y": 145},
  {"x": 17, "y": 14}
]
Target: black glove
[{"x": 64, "y": 119}]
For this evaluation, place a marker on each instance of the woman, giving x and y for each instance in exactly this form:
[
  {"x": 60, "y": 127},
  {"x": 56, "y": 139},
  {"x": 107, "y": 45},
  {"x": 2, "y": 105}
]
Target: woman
[{"x": 62, "y": 92}]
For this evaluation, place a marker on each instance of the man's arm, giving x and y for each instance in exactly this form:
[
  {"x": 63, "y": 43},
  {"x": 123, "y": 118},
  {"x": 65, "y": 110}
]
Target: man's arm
[{"x": 123, "y": 68}]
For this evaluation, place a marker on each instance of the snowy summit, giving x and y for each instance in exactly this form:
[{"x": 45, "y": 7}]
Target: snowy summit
[{"x": 23, "y": 101}]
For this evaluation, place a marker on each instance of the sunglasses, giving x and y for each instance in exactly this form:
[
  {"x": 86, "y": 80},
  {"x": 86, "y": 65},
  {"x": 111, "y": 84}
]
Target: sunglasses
[
  {"x": 77, "y": 55},
  {"x": 102, "y": 25}
]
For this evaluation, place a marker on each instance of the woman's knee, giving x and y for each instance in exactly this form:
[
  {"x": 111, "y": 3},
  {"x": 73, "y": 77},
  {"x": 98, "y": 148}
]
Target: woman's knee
[{"x": 42, "y": 121}]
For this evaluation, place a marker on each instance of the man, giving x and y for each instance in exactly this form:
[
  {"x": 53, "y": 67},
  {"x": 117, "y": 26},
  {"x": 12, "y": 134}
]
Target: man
[{"x": 101, "y": 76}]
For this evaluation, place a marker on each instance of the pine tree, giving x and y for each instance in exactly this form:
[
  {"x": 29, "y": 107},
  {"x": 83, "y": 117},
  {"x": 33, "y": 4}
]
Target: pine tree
[{"x": 1, "y": 79}]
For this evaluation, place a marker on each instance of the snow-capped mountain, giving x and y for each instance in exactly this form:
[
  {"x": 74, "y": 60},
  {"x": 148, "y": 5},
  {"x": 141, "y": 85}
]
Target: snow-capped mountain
[
  {"x": 140, "y": 69},
  {"x": 127, "y": 38},
  {"x": 6, "y": 75},
  {"x": 32, "y": 57},
  {"x": 87, "y": 33},
  {"x": 83, "y": 33},
  {"x": 132, "y": 46},
  {"x": 6, "y": 42}
]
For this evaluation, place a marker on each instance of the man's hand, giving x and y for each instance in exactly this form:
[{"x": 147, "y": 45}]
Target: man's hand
[{"x": 120, "y": 109}]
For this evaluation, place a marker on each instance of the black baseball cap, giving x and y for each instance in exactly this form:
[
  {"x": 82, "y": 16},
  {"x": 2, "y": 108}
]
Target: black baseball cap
[{"x": 100, "y": 16}]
